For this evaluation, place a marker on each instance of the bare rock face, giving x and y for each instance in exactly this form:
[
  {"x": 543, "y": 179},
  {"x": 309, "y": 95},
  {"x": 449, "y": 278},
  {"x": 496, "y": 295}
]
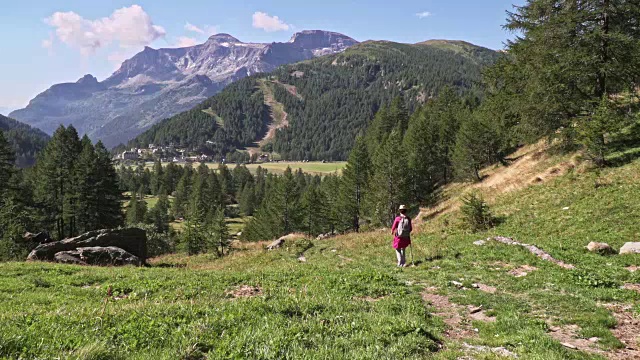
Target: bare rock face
[
  {"x": 600, "y": 248},
  {"x": 102, "y": 256},
  {"x": 630, "y": 248},
  {"x": 132, "y": 241}
]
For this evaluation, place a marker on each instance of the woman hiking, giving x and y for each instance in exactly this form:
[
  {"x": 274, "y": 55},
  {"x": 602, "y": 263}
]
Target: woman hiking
[{"x": 401, "y": 231}]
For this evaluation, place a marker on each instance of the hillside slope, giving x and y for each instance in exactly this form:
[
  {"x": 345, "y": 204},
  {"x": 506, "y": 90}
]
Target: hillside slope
[
  {"x": 328, "y": 100},
  {"x": 26, "y": 141},
  {"x": 345, "y": 299},
  {"x": 159, "y": 83}
]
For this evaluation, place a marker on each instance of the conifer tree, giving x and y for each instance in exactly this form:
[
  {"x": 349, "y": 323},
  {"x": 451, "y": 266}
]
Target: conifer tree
[
  {"x": 159, "y": 214},
  {"x": 136, "y": 210},
  {"x": 54, "y": 182},
  {"x": 314, "y": 211},
  {"x": 183, "y": 193},
  {"x": 109, "y": 196},
  {"x": 7, "y": 162},
  {"x": 226, "y": 183},
  {"x": 248, "y": 200},
  {"x": 389, "y": 182},
  {"x": 423, "y": 165},
  {"x": 157, "y": 178},
  {"x": 220, "y": 241},
  {"x": 476, "y": 146},
  {"x": 355, "y": 185}
]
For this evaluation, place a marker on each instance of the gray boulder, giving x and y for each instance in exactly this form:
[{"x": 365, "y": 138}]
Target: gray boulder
[
  {"x": 132, "y": 240},
  {"x": 39, "y": 238},
  {"x": 102, "y": 256},
  {"x": 630, "y": 248},
  {"x": 600, "y": 248},
  {"x": 276, "y": 244}
]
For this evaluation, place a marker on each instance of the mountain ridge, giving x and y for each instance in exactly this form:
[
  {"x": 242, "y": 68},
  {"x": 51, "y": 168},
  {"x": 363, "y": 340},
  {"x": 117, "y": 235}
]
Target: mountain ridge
[{"x": 158, "y": 83}]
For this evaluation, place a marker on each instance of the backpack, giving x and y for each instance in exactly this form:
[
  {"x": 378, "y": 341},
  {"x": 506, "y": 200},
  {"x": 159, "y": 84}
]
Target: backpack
[{"x": 404, "y": 227}]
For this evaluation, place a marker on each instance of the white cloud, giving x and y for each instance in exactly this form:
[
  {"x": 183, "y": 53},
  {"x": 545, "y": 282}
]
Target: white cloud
[
  {"x": 193, "y": 28},
  {"x": 128, "y": 27},
  {"x": 424, "y": 14},
  {"x": 207, "y": 30},
  {"x": 268, "y": 23},
  {"x": 185, "y": 41}
]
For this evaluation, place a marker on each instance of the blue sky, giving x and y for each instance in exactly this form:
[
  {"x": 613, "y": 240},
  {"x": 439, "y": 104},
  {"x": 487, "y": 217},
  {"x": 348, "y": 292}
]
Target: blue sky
[{"x": 52, "y": 41}]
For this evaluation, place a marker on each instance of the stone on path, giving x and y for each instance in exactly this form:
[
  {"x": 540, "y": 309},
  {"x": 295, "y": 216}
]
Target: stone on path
[
  {"x": 600, "y": 248},
  {"x": 630, "y": 248},
  {"x": 533, "y": 249}
]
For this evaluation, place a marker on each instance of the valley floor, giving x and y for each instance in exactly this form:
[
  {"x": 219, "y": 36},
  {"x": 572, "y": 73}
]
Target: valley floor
[{"x": 345, "y": 299}]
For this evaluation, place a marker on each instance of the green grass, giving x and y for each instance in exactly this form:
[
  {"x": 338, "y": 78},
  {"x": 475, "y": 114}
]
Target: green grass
[
  {"x": 314, "y": 167},
  {"x": 347, "y": 301}
]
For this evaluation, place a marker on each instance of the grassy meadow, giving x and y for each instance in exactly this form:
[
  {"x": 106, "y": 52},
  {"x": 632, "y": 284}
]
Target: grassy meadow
[
  {"x": 347, "y": 300},
  {"x": 314, "y": 168}
]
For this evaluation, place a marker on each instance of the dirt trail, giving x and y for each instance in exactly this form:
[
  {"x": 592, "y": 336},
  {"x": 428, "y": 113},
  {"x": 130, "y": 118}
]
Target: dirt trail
[{"x": 279, "y": 117}]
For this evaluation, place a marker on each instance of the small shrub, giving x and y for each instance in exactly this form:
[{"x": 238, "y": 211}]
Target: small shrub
[
  {"x": 302, "y": 245},
  {"x": 476, "y": 213}
]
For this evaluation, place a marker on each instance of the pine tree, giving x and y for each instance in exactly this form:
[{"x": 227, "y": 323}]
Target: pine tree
[
  {"x": 476, "y": 145},
  {"x": 248, "y": 200},
  {"x": 183, "y": 193},
  {"x": 570, "y": 54},
  {"x": 423, "y": 159},
  {"x": 219, "y": 234},
  {"x": 389, "y": 182},
  {"x": 159, "y": 214},
  {"x": 107, "y": 188},
  {"x": 7, "y": 162},
  {"x": 314, "y": 211},
  {"x": 355, "y": 184},
  {"x": 157, "y": 178},
  {"x": 54, "y": 182},
  {"x": 226, "y": 183},
  {"x": 86, "y": 178},
  {"x": 594, "y": 129},
  {"x": 136, "y": 210}
]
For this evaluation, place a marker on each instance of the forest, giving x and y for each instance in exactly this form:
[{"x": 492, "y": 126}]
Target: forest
[{"x": 25, "y": 140}]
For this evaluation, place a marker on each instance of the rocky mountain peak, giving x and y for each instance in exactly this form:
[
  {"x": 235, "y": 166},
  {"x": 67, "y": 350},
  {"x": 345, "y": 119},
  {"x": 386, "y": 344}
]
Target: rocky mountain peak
[
  {"x": 222, "y": 38},
  {"x": 87, "y": 80},
  {"x": 318, "y": 39}
]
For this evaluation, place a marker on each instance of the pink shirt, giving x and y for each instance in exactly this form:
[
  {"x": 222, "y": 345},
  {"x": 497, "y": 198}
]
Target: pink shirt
[{"x": 398, "y": 242}]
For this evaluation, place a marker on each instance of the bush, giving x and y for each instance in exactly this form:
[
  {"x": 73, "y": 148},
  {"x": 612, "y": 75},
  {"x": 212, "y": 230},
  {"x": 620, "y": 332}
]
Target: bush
[
  {"x": 302, "y": 245},
  {"x": 476, "y": 213}
]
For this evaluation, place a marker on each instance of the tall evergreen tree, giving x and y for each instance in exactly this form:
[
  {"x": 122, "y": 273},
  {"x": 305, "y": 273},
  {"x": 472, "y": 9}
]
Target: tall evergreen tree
[
  {"x": 568, "y": 55},
  {"x": 389, "y": 182},
  {"x": 183, "y": 193},
  {"x": 355, "y": 184},
  {"x": 7, "y": 162},
  {"x": 54, "y": 182},
  {"x": 157, "y": 178},
  {"x": 314, "y": 211}
]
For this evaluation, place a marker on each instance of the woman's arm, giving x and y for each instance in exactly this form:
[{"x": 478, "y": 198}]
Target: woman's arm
[{"x": 395, "y": 226}]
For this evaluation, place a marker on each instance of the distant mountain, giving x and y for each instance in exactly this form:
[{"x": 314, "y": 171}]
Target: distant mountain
[
  {"x": 27, "y": 141},
  {"x": 4, "y": 110},
  {"x": 315, "y": 109},
  {"x": 156, "y": 84}
]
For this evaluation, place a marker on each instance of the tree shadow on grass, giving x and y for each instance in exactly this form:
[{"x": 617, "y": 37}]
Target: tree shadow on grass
[{"x": 625, "y": 147}]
